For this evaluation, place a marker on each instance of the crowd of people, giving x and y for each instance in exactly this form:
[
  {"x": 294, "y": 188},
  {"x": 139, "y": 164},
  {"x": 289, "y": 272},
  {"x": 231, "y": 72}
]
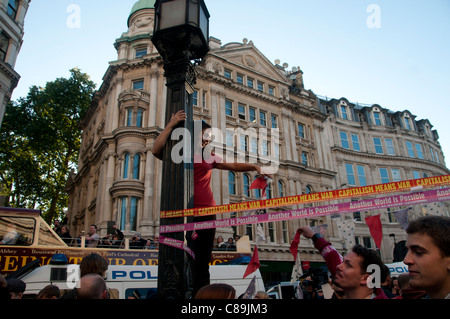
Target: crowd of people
[
  {"x": 114, "y": 239},
  {"x": 428, "y": 277}
]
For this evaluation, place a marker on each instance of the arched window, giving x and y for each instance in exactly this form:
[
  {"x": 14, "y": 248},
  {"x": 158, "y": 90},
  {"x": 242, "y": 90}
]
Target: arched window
[
  {"x": 246, "y": 185},
  {"x": 308, "y": 189},
  {"x": 126, "y": 163},
  {"x": 123, "y": 212},
  {"x": 232, "y": 183},
  {"x": 136, "y": 166},
  {"x": 133, "y": 212},
  {"x": 128, "y": 212}
]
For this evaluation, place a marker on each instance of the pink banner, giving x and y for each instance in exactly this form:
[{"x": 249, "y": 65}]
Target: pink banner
[
  {"x": 307, "y": 212},
  {"x": 176, "y": 244}
]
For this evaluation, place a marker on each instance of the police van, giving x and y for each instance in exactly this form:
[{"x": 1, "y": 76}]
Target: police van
[{"x": 125, "y": 282}]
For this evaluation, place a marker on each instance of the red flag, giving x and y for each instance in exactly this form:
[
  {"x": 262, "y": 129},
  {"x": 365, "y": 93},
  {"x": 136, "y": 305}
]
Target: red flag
[
  {"x": 254, "y": 263},
  {"x": 260, "y": 183},
  {"x": 294, "y": 245},
  {"x": 375, "y": 228}
]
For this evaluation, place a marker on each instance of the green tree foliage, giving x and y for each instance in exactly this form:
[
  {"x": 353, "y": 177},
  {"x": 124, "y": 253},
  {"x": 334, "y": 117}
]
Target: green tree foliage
[{"x": 40, "y": 143}]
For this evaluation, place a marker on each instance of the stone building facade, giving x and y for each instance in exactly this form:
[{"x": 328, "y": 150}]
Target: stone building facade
[
  {"x": 321, "y": 144},
  {"x": 12, "y": 19}
]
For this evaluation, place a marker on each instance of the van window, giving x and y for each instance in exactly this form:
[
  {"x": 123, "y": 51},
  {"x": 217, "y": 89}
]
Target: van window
[
  {"x": 17, "y": 231},
  {"x": 140, "y": 293}
]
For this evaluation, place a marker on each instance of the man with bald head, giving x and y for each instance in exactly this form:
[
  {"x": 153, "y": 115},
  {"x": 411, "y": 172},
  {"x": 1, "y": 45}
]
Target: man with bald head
[{"x": 92, "y": 286}]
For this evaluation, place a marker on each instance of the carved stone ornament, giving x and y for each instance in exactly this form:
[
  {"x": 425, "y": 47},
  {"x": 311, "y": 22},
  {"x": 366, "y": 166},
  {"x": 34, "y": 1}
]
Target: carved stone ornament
[{"x": 250, "y": 61}]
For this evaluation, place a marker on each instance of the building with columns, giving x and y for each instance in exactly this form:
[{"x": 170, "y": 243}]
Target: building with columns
[
  {"x": 12, "y": 20},
  {"x": 318, "y": 144}
]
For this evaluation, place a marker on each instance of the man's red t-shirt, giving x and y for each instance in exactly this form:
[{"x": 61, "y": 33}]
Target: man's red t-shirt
[{"x": 203, "y": 196}]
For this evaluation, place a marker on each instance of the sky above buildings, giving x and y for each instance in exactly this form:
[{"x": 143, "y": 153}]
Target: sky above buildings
[{"x": 392, "y": 53}]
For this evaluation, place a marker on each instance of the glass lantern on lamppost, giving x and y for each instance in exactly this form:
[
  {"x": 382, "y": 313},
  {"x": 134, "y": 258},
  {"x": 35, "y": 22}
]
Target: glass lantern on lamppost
[{"x": 181, "y": 35}]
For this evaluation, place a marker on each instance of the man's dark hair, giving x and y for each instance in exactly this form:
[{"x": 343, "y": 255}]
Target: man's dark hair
[
  {"x": 369, "y": 257},
  {"x": 437, "y": 227},
  {"x": 93, "y": 264}
]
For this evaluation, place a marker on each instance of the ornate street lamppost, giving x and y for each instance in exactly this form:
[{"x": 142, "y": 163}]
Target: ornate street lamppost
[{"x": 181, "y": 35}]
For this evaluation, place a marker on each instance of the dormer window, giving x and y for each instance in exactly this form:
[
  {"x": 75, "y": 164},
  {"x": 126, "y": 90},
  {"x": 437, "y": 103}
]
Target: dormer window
[
  {"x": 344, "y": 110},
  {"x": 377, "y": 117},
  {"x": 407, "y": 121}
]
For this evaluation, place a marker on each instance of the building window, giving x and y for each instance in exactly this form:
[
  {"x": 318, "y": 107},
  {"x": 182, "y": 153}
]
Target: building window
[
  {"x": 123, "y": 212},
  {"x": 419, "y": 151},
  {"x": 361, "y": 175},
  {"x": 246, "y": 181},
  {"x": 350, "y": 175},
  {"x": 138, "y": 85},
  {"x": 355, "y": 142},
  {"x": 227, "y": 73},
  {"x": 390, "y": 146},
  {"x": 269, "y": 193},
  {"x": 344, "y": 140},
  {"x": 416, "y": 174},
  {"x": 407, "y": 122},
  {"x": 230, "y": 138},
  {"x": 378, "y": 146},
  {"x": 274, "y": 120},
  {"x": 344, "y": 112},
  {"x": 271, "y": 90},
  {"x": 262, "y": 118},
  {"x": 304, "y": 158},
  {"x": 301, "y": 130},
  {"x": 277, "y": 150},
  {"x": 280, "y": 189},
  {"x": 240, "y": 78},
  {"x": 133, "y": 213},
  {"x": 396, "y": 175},
  {"x": 254, "y": 145},
  {"x": 252, "y": 114},
  {"x": 285, "y": 231},
  {"x": 129, "y": 117},
  {"x": 249, "y": 231},
  {"x": 126, "y": 163},
  {"x": 139, "y": 118},
  {"x": 265, "y": 148},
  {"x": 250, "y": 83},
  {"x": 195, "y": 98},
  {"x": 4, "y": 45},
  {"x": 228, "y": 108},
  {"x": 243, "y": 142},
  {"x": 242, "y": 112},
  {"x": 260, "y": 86},
  {"x": 271, "y": 228},
  {"x": 232, "y": 183},
  {"x": 377, "y": 118},
  {"x": 384, "y": 175},
  {"x": 136, "y": 166},
  {"x": 409, "y": 147},
  {"x": 13, "y": 6},
  {"x": 140, "y": 52},
  {"x": 308, "y": 189}
]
